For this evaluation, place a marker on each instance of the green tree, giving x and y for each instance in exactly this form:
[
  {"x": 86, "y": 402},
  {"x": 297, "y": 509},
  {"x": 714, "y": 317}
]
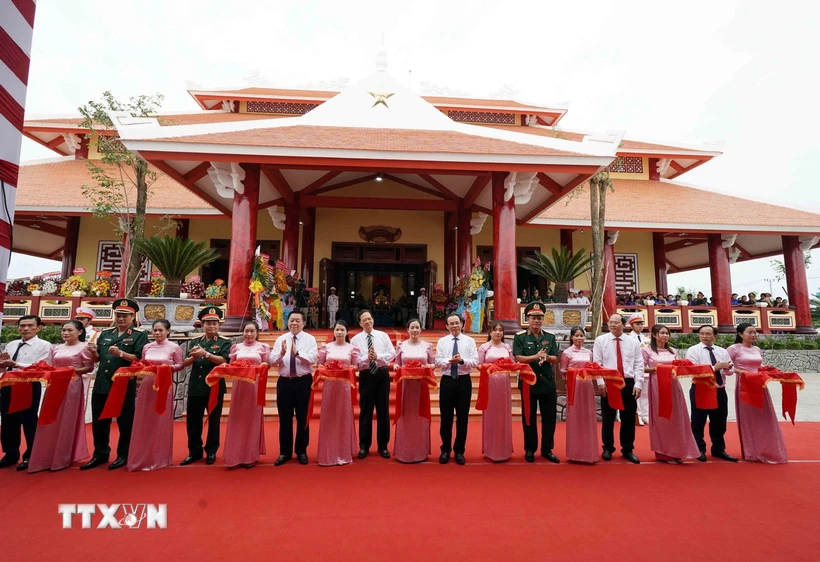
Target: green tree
[{"x": 780, "y": 268}]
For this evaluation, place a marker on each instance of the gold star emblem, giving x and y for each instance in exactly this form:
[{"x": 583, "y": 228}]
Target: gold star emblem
[{"x": 380, "y": 98}]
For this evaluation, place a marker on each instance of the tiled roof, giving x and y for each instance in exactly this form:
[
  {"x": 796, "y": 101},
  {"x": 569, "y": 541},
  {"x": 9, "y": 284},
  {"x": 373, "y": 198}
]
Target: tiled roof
[
  {"x": 176, "y": 119},
  {"x": 355, "y": 138},
  {"x": 59, "y": 184},
  {"x": 636, "y": 201}
]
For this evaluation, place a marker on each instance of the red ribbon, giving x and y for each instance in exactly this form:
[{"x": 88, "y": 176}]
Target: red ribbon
[
  {"x": 415, "y": 370},
  {"x": 752, "y": 385},
  {"x": 506, "y": 365},
  {"x": 703, "y": 377},
  {"x": 613, "y": 379},
  {"x": 21, "y": 393},
  {"x": 333, "y": 370},
  {"x": 239, "y": 370},
  {"x": 137, "y": 369}
]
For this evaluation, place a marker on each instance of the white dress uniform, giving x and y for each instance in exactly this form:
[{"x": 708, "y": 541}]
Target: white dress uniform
[
  {"x": 332, "y": 309},
  {"x": 421, "y": 308}
]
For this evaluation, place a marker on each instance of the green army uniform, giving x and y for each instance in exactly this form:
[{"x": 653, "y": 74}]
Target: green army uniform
[{"x": 543, "y": 392}]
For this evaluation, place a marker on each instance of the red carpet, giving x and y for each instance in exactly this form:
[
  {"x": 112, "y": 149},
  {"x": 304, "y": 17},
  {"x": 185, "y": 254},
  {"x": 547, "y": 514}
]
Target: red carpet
[{"x": 382, "y": 510}]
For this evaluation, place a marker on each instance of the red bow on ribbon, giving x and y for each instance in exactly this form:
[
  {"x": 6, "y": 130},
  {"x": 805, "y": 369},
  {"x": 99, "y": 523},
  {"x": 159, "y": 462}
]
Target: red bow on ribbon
[
  {"x": 613, "y": 380},
  {"x": 21, "y": 392},
  {"x": 333, "y": 370},
  {"x": 505, "y": 365},
  {"x": 752, "y": 387},
  {"x": 137, "y": 369},
  {"x": 703, "y": 377},
  {"x": 415, "y": 370},
  {"x": 239, "y": 370}
]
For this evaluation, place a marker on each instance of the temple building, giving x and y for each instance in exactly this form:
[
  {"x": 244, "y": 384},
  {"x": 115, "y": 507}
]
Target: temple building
[{"x": 381, "y": 192}]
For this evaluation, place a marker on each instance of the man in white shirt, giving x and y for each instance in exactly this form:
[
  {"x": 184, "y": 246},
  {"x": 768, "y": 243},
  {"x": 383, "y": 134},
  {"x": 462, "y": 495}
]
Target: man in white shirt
[
  {"x": 29, "y": 349},
  {"x": 573, "y": 297},
  {"x": 376, "y": 351},
  {"x": 707, "y": 353},
  {"x": 332, "y": 307},
  {"x": 295, "y": 353},
  {"x": 617, "y": 351},
  {"x": 582, "y": 299},
  {"x": 421, "y": 308},
  {"x": 456, "y": 357},
  {"x": 637, "y": 324}
]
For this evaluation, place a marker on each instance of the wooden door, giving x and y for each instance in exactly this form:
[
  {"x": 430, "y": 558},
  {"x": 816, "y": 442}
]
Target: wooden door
[{"x": 327, "y": 280}]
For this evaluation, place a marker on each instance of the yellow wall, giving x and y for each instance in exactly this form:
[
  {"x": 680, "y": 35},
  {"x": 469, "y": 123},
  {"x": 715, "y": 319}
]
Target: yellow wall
[{"x": 629, "y": 242}]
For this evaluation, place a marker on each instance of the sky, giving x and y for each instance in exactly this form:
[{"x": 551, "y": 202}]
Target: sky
[{"x": 738, "y": 72}]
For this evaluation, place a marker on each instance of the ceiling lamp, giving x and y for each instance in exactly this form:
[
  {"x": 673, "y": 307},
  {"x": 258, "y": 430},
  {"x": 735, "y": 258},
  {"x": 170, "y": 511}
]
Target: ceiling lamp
[{"x": 379, "y": 177}]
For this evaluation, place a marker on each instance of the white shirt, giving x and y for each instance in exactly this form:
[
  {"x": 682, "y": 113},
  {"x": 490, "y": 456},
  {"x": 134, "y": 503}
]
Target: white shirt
[
  {"x": 573, "y": 300},
  {"x": 640, "y": 336},
  {"x": 307, "y": 354},
  {"x": 34, "y": 350},
  {"x": 385, "y": 352},
  {"x": 583, "y": 300},
  {"x": 333, "y": 302},
  {"x": 699, "y": 355},
  {"x": 421, "y": 305},
  {"x": 605, "y": 354},
  {"x": 467, "y": 349}
]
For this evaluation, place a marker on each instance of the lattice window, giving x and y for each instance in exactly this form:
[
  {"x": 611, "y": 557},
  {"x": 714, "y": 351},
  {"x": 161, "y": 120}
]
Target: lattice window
[
  {"x": 626, "y": 273},
  {"x": 482, "y": 117},
  {"x": 280, "y": 107},
  {"x": 109, "y": 258},
  {"x": 627, "y": 165}
]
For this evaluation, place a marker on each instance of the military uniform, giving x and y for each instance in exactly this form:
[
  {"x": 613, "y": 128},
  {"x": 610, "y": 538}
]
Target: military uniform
[
  {"x": 199, "y": 392},
  {"x": 130, "y": 341},
  {"x": 543, "y": 391}
]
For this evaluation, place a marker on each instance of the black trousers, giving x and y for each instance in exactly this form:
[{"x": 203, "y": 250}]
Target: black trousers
[
  {"x": 608, "y": 414},
  {"x": 374, "y": 392},
  {"x": 454, "y": 396},
  {"x": 293, "y": 397},
  {"x": 548, "y": 404},
  {"x": 193, "y": 423},
  {"x": 10, "y": 424},
  {"x": 102, "y": 428},
  {"x": 717, "y": 422}
]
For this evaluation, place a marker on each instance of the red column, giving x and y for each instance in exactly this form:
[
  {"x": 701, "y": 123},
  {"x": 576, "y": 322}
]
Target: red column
[
  {"x": 308, "y": 242},
  {"x": 659, "y": 253},
  {"x": 72, "y": 236},
  {"x": 82, "y": 152},
  {"x": 797, "y": 284},
  {"x": 290, "y": 239},
  {"x": 654, "y": 175},
  {"x": 243, "y": 246},
  {"x": 464, "y": 259},
  {"x": 566, "y": 242},
  {"x": 505, "y": 280},
  {"x": 610, "y": 294},
  {"x": 449, "y": 253},
  {"x": 721, "y": 283}
]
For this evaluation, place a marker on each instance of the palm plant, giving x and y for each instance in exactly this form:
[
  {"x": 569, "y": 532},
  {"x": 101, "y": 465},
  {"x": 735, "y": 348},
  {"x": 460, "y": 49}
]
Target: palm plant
[
  {"x": 175, "y": 258},
  {"x": 561, "y": 269}
]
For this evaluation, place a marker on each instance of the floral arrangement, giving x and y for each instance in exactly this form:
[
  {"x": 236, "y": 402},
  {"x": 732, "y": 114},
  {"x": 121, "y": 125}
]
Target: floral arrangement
[
  {"x": 281, "y": 281},
  {"x": 216, "y": 290},
  {"x": 262, "y": 286},
  {"x": 50, "y": 287},
  {"x": 439, "y": 299},
  {"x": 100, "y": 288},
  {"x": 34, "y": 285},
  {"x": 157, "y": 286},
  {"x": 72, "y": 284},
  {"x": 313, "y": 300},
  {"x": 460, "y": 290},
  {"x": 195, "y": 289},
  {"x": 17, "y": 288},
  {"x": 144, "y": 288}
]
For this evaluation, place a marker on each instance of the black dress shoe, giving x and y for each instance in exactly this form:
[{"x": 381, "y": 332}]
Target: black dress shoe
[
  {"x": 702, "y": 457},
  {"x": 725, "y": 456},
  {"x": 529, "y": 456},
  {"x": 678, "y": 461},
  {"x": 119, "y": 462},
  {"x": 606, "y": 455},
  {"x": 4, "y": 462},
  {"x": 363, "y": 453},
  {"x": 22, "y": 466},
  {"x": 280, "y": 460},
  {"x": 190, "y": 459},
  {"x": 93, "y": 463},
  {"x": 550, "y": 457},
  {"x": 302, "y": 458},
  {"x": 210, "y": 459},
  {"x": 385, "y": 454},
  {"x": 632, "y": 458},
  {"x": 460, "y": 458},
  {"x": 444, "y": 458}
]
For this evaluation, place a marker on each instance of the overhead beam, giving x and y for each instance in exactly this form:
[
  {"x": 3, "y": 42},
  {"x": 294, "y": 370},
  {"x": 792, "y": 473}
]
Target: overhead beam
[
  {"x": 481, "y": 209},
  {"x": 575, "y": 182},
  {"x": 675, "y": 166},
  {"x": 36, "y": 255},
  {"x": 42, "y": 227},
  {"x": 180, "y": 179},
  {"x": 475, "y": 190},
  {"x": 438, "y": 185},
  {"x": 672, "y": 267},
  {"x": 198, "y": 172},
  {"x": 378, "y": 203},
  {"x": 308, "y": 190},
  {"x": 745, "y": 254},
  {"x": 41, "y": 142},
  {"x": 415, "y": 186},
  {"x": 272, "y": 203},
  {"x": 550, "y": 184},
  {"x": 56, "y": 253},
  {"x": 342, "y": 184},
  {"x": 55, "y": 142},
  {"x": 686, "y": 242},
  {"x": 279, "y": 183}
]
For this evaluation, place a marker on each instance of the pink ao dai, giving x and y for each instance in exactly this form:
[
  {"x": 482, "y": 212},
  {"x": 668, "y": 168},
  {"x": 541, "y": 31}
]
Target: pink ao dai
[
  {"x": 245, "y": 438},
  {"x": 496, "y": 420},
  {"x": 582, "y": 416},
  {"x": 337, "y": 430},
  {"x": 412, "y": 430}
]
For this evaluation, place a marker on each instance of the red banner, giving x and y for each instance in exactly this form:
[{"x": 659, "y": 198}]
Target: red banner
[
  {"x": 613, "y": 379},
  {"x": 703, "y": 377},
  {"x": 333, "y": 371},
  {"x": 20, "y": 381},
  {"x": 243, "y": 371},
  {"x": 415, "y": 370},
  {"x": 137, "y": 369},
  {"x": 505, "y": 365},
  {"x": 752, "y": 385}
]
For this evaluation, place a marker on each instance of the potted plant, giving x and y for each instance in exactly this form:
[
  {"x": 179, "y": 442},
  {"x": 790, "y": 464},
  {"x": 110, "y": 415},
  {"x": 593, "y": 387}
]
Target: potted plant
[
  {"x": 561, "y": 269},
  {"x": 175, "y": 258}
]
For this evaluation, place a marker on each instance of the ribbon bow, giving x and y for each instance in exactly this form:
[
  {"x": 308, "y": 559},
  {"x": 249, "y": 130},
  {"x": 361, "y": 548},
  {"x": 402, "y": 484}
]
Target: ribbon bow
[
  {"x": 613, "y": 380},
  {"x": 505, "y": 365},
  {"x": 137, "y": 369},
  {"x": 703, "y": 377},
  {"x": 21, "y": 392},
  {"x": 240, "y": 370},
  {"x": 591, "y": 365},
  {"x": 333, "y": 370},
  {"x": 752, "y": 385},
  {"x": 415, "y": 370},
  {"x": 682, "y": 363}
]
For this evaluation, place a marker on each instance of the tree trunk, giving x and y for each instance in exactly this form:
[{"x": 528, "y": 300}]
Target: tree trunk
[
  {"x": 597, "y": 198},
  {"x": 137, "y": 229},
  {"x": 561, "y": 293},
  {"x": 171, "y": 288}
]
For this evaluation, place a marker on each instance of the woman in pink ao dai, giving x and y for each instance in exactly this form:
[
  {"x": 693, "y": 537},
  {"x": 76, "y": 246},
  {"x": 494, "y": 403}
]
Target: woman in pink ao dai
[
  {"x": 582, "y": 416},
  {"x": 496, "y": 420}
]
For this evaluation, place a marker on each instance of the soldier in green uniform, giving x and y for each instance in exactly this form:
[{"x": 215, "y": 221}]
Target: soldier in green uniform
[
  {"x": 204, "y": 354},
  {"x": 525, "y": 297},
  {"x": 116, "y": 347},
  {"x": 539, "y": 349}
]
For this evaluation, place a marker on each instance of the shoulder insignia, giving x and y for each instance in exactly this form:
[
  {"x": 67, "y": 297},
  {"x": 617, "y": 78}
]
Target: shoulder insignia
[{"x": 522, "y": 332}]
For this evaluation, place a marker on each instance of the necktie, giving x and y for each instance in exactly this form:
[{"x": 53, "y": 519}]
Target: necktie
[
  {"x": 293, "y": 357},
  {"x": 620, "y": 357},
  {"x": 372, "y": 363},
  {"x": 17, "y": 351},
  {"x": 454, "y": 366},
  {"x": 713, "y": 359}
]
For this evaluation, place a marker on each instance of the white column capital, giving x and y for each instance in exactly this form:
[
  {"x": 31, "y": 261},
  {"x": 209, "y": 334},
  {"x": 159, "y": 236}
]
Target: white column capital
[
  {"x": 227, "y": 178},
  {"x": 520, "y": 185},
  {"x": 612, "y": 237}
]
